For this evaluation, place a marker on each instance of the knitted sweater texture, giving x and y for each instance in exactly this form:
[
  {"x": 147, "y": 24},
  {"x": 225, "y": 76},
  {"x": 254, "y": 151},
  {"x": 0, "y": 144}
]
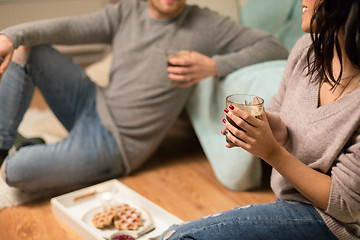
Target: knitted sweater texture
[{"x": 325, "y": 138}]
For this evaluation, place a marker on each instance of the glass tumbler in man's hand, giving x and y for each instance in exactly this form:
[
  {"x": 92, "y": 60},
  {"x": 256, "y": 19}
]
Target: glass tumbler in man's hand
[{"x": 179, "y": 54}]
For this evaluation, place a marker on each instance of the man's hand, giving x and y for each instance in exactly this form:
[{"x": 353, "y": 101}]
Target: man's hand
[
  {"x": 188, "y": 71},
  {"x": 6, "y": 53}
]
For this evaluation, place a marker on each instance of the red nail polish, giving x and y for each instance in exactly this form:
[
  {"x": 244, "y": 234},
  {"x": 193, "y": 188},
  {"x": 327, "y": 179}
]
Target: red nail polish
[
  {"x": 224, "y": 120},
  {"x": 231, "y": 107},
  {"x": 226, "y": 110}
]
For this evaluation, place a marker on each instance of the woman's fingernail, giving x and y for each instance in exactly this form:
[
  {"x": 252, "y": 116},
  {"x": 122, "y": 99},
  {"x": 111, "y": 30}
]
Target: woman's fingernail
[
  {"x": 224, "y": 120},
  {"x": 226, "y": 132},
  {"x": 231, "y": 107},
  {"x": 226, "y": 110}
]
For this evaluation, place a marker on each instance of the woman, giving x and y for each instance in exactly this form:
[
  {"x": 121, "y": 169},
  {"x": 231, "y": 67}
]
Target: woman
[{"x": 310, "y": 135}]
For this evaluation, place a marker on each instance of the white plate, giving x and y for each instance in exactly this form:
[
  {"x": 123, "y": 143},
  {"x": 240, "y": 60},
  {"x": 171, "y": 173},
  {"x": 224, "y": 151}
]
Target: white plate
[{"x": 107, "y": 232}]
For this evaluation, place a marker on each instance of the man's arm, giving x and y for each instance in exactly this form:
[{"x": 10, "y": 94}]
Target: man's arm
[
  {"x": 247, "y": 46},
  {"x": 6, "y": 52},
  {"x": 97, "y": 27},
  {"x": 239, "y": 46}
]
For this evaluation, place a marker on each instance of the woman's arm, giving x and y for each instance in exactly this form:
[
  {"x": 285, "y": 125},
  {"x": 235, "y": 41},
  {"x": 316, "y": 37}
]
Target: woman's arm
[{"x": 313, "y": 185}]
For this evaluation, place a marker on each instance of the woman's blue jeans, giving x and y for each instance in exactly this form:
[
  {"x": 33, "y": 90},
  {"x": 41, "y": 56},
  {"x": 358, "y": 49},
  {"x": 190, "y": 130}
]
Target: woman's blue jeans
[
  {"x": 279, "y": 220},
  {"x": 88, "y": 155}
]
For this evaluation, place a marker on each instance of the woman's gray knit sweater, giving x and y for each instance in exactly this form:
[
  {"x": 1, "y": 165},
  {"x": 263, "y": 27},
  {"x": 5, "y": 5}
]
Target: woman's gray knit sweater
[{"x": 326, "y": 138}]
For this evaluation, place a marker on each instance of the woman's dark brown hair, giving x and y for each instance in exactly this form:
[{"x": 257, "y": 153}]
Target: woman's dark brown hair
[{"x": 330, "y": 16}]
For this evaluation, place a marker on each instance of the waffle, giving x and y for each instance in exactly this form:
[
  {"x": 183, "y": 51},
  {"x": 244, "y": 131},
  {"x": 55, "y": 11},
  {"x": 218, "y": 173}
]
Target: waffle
[
  {"x": 123, "y": 216},
  {"x": 127, "y": 218},
  {"x": 104, "y": 218}
]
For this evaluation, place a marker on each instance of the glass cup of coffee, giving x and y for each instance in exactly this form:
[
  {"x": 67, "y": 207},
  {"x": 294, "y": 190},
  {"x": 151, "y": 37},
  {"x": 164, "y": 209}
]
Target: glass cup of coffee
[
  {"x": 249, "y": 103},
  {"x": 170, "y": 54}
]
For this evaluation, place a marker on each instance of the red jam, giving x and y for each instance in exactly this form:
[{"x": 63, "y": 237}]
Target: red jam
[{"x": 123, "y": 237}]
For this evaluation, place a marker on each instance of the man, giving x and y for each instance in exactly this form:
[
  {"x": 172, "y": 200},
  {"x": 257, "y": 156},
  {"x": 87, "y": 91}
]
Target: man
[{"x": 113, "y": 130}]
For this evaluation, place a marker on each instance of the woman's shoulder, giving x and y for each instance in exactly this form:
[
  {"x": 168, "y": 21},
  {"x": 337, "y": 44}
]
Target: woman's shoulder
[
  {"x": 298, "y": 54},
  {"x": 301, "y": 46}
]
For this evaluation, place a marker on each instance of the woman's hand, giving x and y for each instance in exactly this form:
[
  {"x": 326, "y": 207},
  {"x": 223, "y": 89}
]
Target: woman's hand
[
  {"x": 278, "y": 128},
  {"x": 188, "y": 71},
  {"x": 6, "y": 52},
  {"x": 256, "y": 135}
]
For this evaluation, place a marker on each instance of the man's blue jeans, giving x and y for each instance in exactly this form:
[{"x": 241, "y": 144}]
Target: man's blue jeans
[
  {"x": 279, "y": 220},
  {"x": 88, "y": 155}
]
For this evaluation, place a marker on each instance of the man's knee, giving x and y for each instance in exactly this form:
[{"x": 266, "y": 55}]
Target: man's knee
[{"x": 40, "y": 51}]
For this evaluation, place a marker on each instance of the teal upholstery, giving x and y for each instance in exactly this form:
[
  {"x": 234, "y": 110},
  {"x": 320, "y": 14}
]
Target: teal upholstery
[{"x": 282, "y": 18}]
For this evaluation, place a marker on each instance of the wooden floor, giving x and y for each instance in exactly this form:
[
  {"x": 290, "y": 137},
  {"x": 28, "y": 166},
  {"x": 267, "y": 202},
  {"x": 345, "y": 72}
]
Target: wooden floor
[{"x": 178, "y": 178}]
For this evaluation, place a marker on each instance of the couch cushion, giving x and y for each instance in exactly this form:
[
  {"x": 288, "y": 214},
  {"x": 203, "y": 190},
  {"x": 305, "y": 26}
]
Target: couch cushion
[{"x": 282, "y": 18}]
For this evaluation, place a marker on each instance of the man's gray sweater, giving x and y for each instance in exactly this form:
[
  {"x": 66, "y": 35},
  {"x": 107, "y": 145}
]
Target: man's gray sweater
[{"x": 140, "y": 103}]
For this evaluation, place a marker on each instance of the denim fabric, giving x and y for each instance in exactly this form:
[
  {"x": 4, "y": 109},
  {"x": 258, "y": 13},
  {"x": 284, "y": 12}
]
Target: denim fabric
[
  {"x": 280, "y": 220},
  {"x": 88, "y": 155}
]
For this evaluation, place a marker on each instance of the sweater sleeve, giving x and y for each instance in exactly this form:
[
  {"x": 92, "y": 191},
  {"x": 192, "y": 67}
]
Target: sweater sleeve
[
  {"x": 344, "y": 202},
  {"x": 241, "y": 46},
  {"x": 256, "y": 47},
  {"x": 97, "y": 27}
]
